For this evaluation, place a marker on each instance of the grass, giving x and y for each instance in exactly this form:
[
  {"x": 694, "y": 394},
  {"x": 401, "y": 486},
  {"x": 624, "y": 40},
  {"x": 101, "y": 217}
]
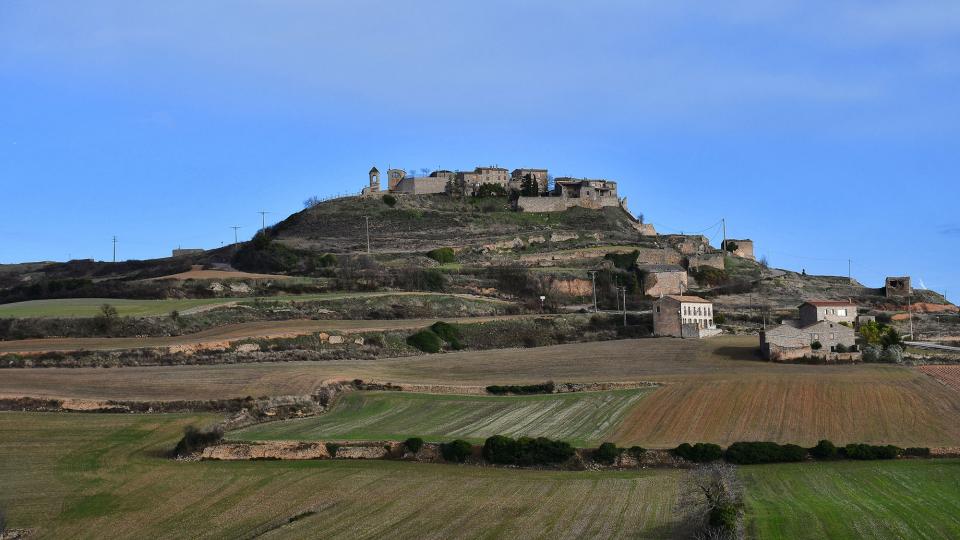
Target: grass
[
  {"x": 89, "y": 307},
  {"x": 103, "y": 476},
  {"x": 582, "y": 419},
  {"x": 901, "y": 499}
]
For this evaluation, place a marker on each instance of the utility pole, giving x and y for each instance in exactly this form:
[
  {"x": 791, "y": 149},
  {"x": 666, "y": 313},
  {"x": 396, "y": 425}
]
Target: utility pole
[
  {"x": 263, "y": 219},
  {"x": 849, "y": 273},
  {"x": 624, "y": 291},
  {"x": 235, "y": 239},
  {"x": 910, "y": 312},
  {"x": 367, "y": 218},
  {"x": 114, "y": 249},
  {"x": 593, "y": 277},
  {"x": 723, "y": 246}
]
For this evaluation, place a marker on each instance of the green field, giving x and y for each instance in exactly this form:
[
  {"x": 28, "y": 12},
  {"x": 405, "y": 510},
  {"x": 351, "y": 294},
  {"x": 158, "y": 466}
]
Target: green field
[
  {"x": 880, "y": 499},
  {"x": 581, "y": 418},
  {"x": 89, "y": 307},
  {"x": 104, "y": 476}
]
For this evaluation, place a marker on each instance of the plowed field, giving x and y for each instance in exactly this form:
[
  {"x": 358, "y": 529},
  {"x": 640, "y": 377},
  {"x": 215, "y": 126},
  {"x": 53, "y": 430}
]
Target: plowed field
[{"x": 582, "y": 418}]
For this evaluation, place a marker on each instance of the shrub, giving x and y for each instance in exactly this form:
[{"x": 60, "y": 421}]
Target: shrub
[
  {"x": 637, "y": 451},
  {"x": 869, "y": 451},
  {"x": 105, "y": 320},
  {"x": 916, "y": 451},
  {"x": 442, "y": 255},
  {"x": 748, "y": 453},
  {"x": 712, "y": 277},
  {"x": 841, "y": 348},
  {"x": 490, "y": 190},
  {"x": 825, "y": 450},
  {"x": 724, "y": 516},
  {"x": 525, "y": 451},
  {"x": 816, "y": 345},
  {"x": 425, "y": 341},
  {"x": 719, "y": 318},
  {"x": 332, "y": 448},
  {"x": 195, "y": 440},
  {"x": 871, "y": 353},
  {"x": 544, "y": 388},
  {"x": 458, "y": 450},
  {"x": 607, "y": 453},
  {"x": 624, "y": 261},
  {"x": 413, "y": 444},
  {"x": 389, "y": 200},
  {"x": 699, "y": 452},
  {"x": 447, "y": 332},
  {"x": 892, "y": 354}
]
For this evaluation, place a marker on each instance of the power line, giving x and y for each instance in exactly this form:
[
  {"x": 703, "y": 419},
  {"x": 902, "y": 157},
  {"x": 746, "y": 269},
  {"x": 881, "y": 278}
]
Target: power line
[
  {"x": 114, "y": 248},
  {"x": 235, "y": 228},
  {"x": 263, "y": 218}
]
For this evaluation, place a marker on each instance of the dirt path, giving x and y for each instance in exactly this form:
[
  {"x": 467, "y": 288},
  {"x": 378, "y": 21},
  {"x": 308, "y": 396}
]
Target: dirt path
[{"x": 233, "y": 332}]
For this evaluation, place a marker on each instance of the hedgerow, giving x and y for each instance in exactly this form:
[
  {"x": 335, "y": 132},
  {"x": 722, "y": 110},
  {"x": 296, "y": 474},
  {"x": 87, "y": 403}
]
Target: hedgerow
[
  {"x": 526, "y": 451},
  {"x": 543, "y": 388},
  {"x": 457, "y": 451}
]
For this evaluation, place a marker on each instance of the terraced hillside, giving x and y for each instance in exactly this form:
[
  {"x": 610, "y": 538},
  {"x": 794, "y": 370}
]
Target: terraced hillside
[
  {"x": 583, "y": 418},
  {"x": 424, "y": 222}
]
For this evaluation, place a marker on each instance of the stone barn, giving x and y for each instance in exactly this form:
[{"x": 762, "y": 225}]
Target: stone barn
[{"x": 897, "y": 286}]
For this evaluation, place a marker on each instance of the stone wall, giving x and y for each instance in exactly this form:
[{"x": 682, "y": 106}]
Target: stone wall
[
  {"x": 744, "y": 248},
  {"x": 662, "y": 283},
  {"x": 897, "y": 286},
  {"x": 712, "y": 260}
]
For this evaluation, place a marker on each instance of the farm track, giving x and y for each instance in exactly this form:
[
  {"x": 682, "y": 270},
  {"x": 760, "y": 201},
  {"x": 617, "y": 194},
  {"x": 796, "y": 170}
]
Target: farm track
[
  {"x": 233, "y": 332},
  {"x": 714, "y": 390}
]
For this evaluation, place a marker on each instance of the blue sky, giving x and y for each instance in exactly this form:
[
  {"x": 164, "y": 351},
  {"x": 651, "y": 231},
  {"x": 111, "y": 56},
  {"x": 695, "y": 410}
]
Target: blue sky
[{"x": 822, "y": 130}]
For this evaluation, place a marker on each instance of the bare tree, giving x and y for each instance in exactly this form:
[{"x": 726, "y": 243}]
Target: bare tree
[{"x": 709, "y": 495}]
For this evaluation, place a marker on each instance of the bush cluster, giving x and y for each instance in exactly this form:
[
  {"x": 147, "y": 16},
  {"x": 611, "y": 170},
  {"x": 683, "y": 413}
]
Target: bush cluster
[
  {"x": 749, "y": 453},
  {"x": 607, "y": 453},
  {"x": 389, "y": 200},
  {"x": 432, "y": 339},
  {"x": 543, "y": 388},
  {"x": 457, "y": 451},
  {"x": 699, "y": 452},
  {"x": 504, "y": 450},
  {"x": 413, "y": 444},
  {"x": 425, "y": 341},
  {"x": 869, "y": 451},
  {"x": 442, "y": 255},
  {"x": 195, "y": 440}
]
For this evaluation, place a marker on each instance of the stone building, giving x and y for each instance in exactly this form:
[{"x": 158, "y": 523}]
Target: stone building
[
  {"x": 827, "y": 310},
  {"x": 792, "y": 340},
  {"x": 374, "y": 186},
  {"x": 540, "y": 176},
  {"x": 897, "y": 286},
  {"x": 742, "y": 248},
  {"x": 572, "y": 192},
  {"x": 820, "y": 322},
  {"x": 684, "y": 316},
  {"x": 421, "y": 185},
  {"x": 663, "y": 279},
  {"x": 492, "y": 175},
  {"x": 394, "y": 177}
]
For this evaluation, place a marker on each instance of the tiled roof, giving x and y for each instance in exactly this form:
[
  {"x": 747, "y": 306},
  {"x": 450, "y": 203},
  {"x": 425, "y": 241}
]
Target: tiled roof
[
  {"x": 828, "y": 303},
  {"x": 687, "y": 298}
]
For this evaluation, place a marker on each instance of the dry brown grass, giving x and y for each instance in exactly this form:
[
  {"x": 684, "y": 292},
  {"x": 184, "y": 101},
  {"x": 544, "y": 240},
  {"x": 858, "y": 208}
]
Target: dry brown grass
[
  {"x": 225, "y": 334},
  {"x": 714, "y": 390}
]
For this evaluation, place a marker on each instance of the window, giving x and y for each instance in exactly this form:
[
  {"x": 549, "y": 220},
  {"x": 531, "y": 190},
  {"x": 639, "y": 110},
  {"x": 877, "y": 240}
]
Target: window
[
  {"x": 842, "y": 312},
  {"x": 815, "y": 337}
]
